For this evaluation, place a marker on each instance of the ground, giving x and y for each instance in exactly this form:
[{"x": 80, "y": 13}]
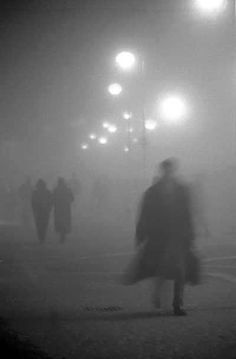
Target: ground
[{"x": 68, "y": 300}]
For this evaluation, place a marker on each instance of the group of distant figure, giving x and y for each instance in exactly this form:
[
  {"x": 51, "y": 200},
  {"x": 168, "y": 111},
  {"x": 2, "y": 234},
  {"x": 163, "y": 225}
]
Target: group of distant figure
[{"x": 58, "y": 201}]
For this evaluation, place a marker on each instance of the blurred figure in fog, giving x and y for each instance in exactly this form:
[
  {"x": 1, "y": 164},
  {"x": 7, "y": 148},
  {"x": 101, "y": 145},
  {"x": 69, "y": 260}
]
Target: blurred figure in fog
[
  {"x": 165, "y": 234},
  {"x": 41, "y": 205},
  {"x": 25, "y": 193},
  {"x": 62, "y": 201}
]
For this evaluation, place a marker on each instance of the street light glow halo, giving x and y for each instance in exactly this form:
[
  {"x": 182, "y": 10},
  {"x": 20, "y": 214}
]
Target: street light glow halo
[
  {"x": 112, "y": 129},
  {"x": 102, "y": 140},
  {"x": 125, "y": 60},
  {"x": 173, "y": 109},
  {"x": 92, "y": 136},
  {"x": 150, "y": 125},
  {"x": 210, "y": 7},
  {"x": 127, "y": 115},
  {"x": 105, "y": 125},
  {"x": 115, "y": 89},
  {"x": 84, "y": 146}
]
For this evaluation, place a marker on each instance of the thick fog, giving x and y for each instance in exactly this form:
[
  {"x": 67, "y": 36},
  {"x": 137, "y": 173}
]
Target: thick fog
[{"x": 57, "y": 61}]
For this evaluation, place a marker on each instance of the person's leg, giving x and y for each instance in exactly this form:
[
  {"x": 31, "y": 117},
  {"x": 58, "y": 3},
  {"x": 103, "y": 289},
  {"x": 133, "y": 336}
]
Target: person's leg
[
  {"x": 179, "y": 291},
  {"x": 178, "y": 295}
]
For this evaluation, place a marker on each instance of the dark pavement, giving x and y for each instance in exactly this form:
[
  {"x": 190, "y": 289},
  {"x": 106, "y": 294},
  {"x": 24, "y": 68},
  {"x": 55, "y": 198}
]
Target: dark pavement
[{"x": 68, "y": 300}]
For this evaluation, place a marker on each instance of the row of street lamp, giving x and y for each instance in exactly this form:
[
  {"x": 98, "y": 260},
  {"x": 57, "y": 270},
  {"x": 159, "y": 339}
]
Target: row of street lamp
[
  {"x": 111, "y": 129},
  {"x": 172, "y": 108}
]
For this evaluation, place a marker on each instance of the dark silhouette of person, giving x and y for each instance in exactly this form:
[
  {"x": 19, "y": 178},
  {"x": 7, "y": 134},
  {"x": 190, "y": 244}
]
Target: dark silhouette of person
[
  {"x": 62, "y": 200},
  {"x": 165, "y": 233},
  {"x": 41, "y": 201}
]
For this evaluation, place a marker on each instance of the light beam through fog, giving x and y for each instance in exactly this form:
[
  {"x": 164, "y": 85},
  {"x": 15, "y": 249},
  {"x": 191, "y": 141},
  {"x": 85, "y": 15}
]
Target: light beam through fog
[{"x": 210, "y": 7}]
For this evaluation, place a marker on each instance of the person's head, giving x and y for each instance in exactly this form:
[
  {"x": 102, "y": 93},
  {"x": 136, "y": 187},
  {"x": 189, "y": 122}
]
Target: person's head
[
  {"x": 168, "y": 167},
  {"x": 41, "y": 184}
]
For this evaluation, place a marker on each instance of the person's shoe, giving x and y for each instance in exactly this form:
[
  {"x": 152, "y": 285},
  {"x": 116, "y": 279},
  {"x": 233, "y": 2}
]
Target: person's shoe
[{"x": 179, "y": 312}]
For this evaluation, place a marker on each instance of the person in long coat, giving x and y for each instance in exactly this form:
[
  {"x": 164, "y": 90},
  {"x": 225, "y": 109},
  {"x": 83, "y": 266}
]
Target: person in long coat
[
  {"x": 165, "y": 233},
  {"x": 62, "y": 200},
  {"x": 41, "y": 202}
]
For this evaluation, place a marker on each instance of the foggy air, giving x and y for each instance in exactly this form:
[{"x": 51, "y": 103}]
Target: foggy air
[{"x": 118, "y": 179}]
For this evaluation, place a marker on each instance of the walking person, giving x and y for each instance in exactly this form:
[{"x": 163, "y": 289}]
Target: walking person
[
  {"x": 164, "y": 235},
  {"x": 62, "y": 201},
  {"x": 41, "y": 202}
]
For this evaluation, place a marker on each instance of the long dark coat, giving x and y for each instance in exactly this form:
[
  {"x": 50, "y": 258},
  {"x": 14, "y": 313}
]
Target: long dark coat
[
  {"x": 164, "y": 232},
  {"x": 62, "y": 200}
]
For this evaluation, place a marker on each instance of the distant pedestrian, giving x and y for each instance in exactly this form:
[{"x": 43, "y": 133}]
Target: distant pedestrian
[
  {"x": 164, "y": 234},
  {"x": 41, "y": 204},
  {"x": 62, "y": 201}
]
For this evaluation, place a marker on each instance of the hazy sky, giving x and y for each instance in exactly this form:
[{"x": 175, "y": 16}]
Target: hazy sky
[{"x": 57, "y": 58}]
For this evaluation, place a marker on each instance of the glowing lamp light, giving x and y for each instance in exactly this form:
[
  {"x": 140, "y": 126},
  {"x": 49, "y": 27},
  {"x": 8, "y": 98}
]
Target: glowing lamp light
[
  {"x": 173, "y": 109},
  {"x": 126, "y": 149},
  {"x": 112, "y": 129},
  {"x": 105, "y": 125},
  {"x": 115, "y": 89},
  {"x": 150, "y": 125},
  {"x": 210, "y": 7},
  {"x": 92, "y": 136},
  {"x": 125, "y": 60},
  {"x": 131, "y": 130},
  {"x": 84, "y": 146},
  {"x": 127, "y": 115},
  {"x": 102, "y": 140}
]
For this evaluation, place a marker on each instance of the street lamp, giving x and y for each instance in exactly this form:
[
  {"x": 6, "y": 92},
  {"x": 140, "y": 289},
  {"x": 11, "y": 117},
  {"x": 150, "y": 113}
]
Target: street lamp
[
  {"x": 173, "y": 109},
  {"x": 125, "y": 60},
  {"x": 102, "y": 140},
  {"x": 150, "y": 125},
  {"x": 210, "y": 7},
  {"x": 112, "y": 129},
  {"x": 105, "y": 125},
  {"x": 127, "y": 115},
  {"x": 84, "y": 146},
  {"x": 115, "y": 89},
  {"x": 92, "y": 136}
]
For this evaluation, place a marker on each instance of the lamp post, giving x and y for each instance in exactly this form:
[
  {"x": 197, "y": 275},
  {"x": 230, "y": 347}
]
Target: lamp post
[{"x": 127, "y": 61}]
